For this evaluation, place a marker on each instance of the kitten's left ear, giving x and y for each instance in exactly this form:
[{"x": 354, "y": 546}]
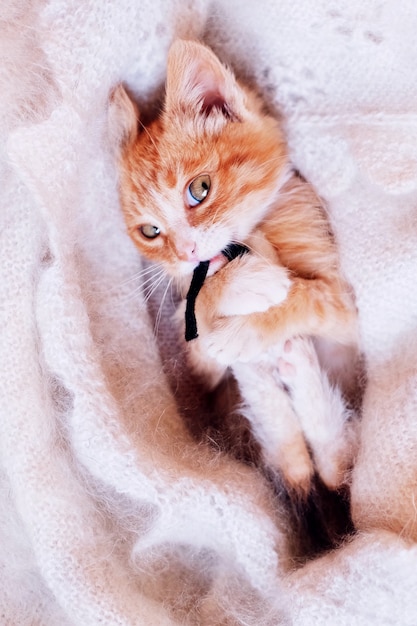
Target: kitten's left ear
[
  {"x": 123, "y": 117},
  {"x": 198, "y": 82}
]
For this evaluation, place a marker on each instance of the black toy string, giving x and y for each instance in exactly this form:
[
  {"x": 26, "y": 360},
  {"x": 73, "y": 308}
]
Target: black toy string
[
  {"x": 197, "y": 281},
  {"x": 232, "y": 251}
]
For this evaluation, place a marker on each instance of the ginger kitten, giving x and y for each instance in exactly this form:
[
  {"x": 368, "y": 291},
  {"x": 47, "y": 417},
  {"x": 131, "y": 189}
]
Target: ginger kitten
[{"x": 213, "y": 170}]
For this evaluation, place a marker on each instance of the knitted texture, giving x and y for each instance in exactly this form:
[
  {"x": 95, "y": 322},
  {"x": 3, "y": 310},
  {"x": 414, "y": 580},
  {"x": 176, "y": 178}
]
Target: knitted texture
[{"x": 111, "y": 512}]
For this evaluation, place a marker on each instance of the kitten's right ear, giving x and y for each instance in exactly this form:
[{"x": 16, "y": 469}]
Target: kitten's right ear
[
  {"x": 197, "y": 81},
  {"x": 123, "y": 117}
]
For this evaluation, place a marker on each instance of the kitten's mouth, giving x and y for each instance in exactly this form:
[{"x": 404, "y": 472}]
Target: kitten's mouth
[
  {"x": 200, "y": 272},
  {"x": 228, "y": 254},
  {"x": 216, "y": 263},
  {"x": 222, "y": 258}
]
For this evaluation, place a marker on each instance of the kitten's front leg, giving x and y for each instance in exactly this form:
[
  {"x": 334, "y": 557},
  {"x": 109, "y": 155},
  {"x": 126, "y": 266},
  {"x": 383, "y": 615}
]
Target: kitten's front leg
[
  {"x": 312, "y": 307},
  {"x": 208, "y": 369},
  {"x": 248, "y": 284}
]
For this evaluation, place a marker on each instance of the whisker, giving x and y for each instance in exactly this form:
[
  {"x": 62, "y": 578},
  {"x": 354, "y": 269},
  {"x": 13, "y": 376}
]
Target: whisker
[
  {"x": 119, "y": 288},
  {"x": 152, "y": 278},
  {"x": 160, "y": 309},
  {"x": 138, "y": 290},
  {"x": 125, "y": 298},
  {"x": 145, "y": 288},
  {"x": 154, "y": 287},
  {"x": 153, "y": 270},
  {"x": 149, "y": 281}
]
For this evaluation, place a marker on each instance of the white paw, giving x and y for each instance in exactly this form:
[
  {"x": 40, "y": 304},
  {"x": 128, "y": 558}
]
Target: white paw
[
  {"x": 298, "y": 360},
  {"x": 334, "y": 459},
  {"x": 256, "y": 288},
  {"x": 296, "y": 465},
  {"x": 210, "y": 371},
  {"x": 231, "y": 341}
]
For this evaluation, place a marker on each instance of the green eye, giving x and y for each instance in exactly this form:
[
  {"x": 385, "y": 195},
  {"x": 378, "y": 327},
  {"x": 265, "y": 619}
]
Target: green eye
[
  {"x": 198, "y": 189},
  {"x": 149, "y": 231}
]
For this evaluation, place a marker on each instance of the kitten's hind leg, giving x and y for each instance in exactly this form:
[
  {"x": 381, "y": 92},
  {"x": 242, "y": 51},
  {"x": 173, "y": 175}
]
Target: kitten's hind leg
[
  {"x": 275, "y": 425},
  {"x": 321, "y": 410}
]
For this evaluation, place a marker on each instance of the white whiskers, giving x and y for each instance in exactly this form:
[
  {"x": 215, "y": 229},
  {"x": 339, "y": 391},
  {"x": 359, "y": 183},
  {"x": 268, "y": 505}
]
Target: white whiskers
[
  {"x": 152, "y": 284},
  {"x": 161, "y": 306},
  {"x": 147, "y": 282}
]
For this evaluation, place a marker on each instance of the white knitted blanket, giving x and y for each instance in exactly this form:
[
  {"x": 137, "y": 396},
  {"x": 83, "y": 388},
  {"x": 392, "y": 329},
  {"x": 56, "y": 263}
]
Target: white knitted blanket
[{"x": 111, "y": 513}]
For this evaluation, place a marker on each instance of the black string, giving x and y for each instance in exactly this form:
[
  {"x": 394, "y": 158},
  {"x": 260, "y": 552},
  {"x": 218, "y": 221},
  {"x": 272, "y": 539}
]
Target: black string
[
  {"x": 197, "y": 281},
  {"x": 232, "y": 251}
]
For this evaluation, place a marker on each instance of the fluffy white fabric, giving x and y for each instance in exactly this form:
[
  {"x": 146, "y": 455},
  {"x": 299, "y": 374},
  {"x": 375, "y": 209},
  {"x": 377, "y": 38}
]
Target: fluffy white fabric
[{"x": 111, "y": 513}]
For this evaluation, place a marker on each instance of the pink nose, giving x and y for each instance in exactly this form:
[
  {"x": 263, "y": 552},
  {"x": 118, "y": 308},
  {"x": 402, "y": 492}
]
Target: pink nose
[{"x": 187, "y": 251}]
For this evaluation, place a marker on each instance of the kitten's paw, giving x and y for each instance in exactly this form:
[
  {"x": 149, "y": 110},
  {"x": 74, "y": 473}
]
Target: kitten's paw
[
  {"x": 255, "y": 289},
  {"x": 296, "y": 466},
  {"x": 334, "y": 460},
  {"x": 232, "y": 341},
  {"x": 208, "y": 370},
  {"x": 298, "y": 359}
]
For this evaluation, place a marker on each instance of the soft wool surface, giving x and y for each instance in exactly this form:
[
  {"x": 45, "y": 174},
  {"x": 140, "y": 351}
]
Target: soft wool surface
[{"x": 111, "y": 512}]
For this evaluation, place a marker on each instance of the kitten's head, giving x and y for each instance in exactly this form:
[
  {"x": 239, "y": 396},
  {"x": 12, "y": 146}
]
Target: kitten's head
[{"x": 203, "y": 174}]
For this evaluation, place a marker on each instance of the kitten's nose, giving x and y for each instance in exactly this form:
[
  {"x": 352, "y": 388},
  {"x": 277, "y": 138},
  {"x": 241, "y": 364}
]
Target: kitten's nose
[{"x": 187, "y": 251}]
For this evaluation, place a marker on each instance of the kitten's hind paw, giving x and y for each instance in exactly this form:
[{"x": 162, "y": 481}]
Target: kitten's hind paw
[
  {"x": 296, "y": 466},
  {"x": 334, "y": 459}
]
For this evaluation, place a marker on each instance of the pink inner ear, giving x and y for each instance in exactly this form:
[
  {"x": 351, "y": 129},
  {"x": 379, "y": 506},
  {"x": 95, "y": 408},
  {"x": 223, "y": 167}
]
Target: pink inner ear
[
  {"x": 211, "y": 87},
  {"x": 197, "y": 80},
  {"x": 213, "y": 100}
]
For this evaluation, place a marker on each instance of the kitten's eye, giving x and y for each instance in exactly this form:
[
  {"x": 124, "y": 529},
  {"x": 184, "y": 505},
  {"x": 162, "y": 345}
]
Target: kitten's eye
[
  {"x": 149, "y": 231},
  {"x": 198, "y": 189}
]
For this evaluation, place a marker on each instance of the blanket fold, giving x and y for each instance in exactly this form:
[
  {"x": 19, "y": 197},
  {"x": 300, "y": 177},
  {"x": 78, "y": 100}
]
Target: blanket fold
[{"x": 113, "y": 513}]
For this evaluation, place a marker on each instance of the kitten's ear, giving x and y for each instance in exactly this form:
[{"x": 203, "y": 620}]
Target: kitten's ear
[
  {"x": 198, "y": 81},
  {"x": 123, "y": 116}
]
